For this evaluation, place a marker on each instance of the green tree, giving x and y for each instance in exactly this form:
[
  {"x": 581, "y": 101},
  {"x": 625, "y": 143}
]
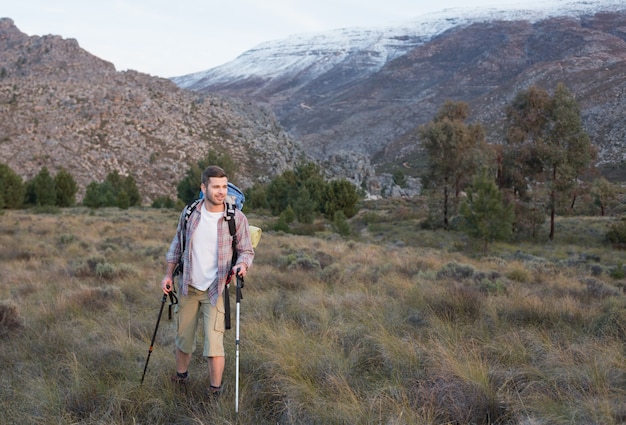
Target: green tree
[
  {"x": 12, "y": 188},
  {"x": 288, "y": 215},
  {"x": 548, "y": 143},
  {"x": 308, "y": 176},
  {"x": 65, "y": 187},
  {"x": 340, "y": 224},
  {"x": 256, "y": 196},
  {"x": 340, "y": 195},
  {"x": 455, "y": 150},
  {"x": 94, "y": 196},
  {"x": 43, "y": 188},
  {"x": 114, "y": 191},
  {"x": 486, "y": 217},
  {"x": 129, "y": 187},
  {"x": 304, "y": 207},
  {"x": 604, "y": 193},
  {"x": 163, "y": 202},
  {"x": 280, "y": 190},
  {"x": 122, "y": 200}
]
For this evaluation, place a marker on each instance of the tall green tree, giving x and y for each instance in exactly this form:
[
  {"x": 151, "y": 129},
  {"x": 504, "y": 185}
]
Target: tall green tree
[
  {"x": 43, "y": 188},
  {"x": 486, "y": 216},
  {"x": 340, "y": 195},
  {"x": 280, "y": 191},
  {"x": 547, "y": 144},
  {"x": 65, "y": 188},
  {"x": 114, "y": 191},
  {"x": 132, "y": 191},
  {"x": 12, "y": 188},
  {"x": 455, "y": 151}
]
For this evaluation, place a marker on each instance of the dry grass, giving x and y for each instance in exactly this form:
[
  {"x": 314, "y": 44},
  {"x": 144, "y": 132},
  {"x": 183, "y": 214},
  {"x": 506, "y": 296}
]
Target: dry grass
[{"x": 332, "y": 331}]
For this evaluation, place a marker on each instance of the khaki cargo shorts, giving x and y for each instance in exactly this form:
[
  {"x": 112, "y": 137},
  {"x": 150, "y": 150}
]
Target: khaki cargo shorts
[{"x": 196, "y": 307}]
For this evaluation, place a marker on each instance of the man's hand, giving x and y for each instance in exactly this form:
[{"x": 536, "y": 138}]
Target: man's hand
[
  {"x": 166, "y": 284},
  {"x": 243, "y": 269}
]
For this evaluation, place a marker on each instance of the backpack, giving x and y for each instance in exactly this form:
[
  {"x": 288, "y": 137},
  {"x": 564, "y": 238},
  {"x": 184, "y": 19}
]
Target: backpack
[{"x": 234, "y": 200}]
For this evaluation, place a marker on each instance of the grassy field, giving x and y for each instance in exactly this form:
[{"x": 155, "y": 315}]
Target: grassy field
[{"x": 396, "y": 326}]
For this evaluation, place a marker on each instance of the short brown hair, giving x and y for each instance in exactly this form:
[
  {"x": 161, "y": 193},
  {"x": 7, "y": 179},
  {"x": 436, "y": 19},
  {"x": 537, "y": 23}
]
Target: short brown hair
[{"x": 212, "y": 171}]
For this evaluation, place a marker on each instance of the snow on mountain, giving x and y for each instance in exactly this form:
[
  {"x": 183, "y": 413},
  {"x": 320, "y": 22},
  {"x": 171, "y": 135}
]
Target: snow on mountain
[{"x": 315, "y": 53}]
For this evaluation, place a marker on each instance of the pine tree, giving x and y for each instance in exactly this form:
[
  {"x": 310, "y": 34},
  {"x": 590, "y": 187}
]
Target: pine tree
[
  {"x": 44, "y": 188},
  {"x": 486, "y": 217},
  {"x": 340, "y": 195},
  {"x": 65, "y": 187},
  {"x": 12, "y": 188}
]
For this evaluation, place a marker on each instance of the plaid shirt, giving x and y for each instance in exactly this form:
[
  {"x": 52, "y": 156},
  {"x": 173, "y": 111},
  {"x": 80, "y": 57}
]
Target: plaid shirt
[{"x": 224, "y": 243}]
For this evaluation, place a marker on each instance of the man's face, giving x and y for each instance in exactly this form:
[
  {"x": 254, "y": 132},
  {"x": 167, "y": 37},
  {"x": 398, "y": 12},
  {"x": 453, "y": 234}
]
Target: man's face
[{"x": 215, "y": 190}]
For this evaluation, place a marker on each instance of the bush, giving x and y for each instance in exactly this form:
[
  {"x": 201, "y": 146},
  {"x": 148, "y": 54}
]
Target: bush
[
  {"x": 340, "y": 224},
  {"x": 617, "y": 233},
  {"x": 115, "y": 191},
  {"x": 163, "y": 202},
  {"x": 10, "y": 319},
  {"x": 12, "y": 188}
]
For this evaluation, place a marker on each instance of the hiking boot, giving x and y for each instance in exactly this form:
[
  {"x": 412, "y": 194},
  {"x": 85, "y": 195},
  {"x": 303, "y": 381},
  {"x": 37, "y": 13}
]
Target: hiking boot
[
  {"x": 215, "y": 392},
  {"x": 180, "y": 378}
]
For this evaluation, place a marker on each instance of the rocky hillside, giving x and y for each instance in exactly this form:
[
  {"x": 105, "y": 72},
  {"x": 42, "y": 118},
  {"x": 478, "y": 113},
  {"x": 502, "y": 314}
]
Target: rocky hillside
[
  {"x": 335, "y": 108},
  {"x": 63, "y": 107}
]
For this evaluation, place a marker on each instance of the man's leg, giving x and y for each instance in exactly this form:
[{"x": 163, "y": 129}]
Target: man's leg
[
  {"x": 182, "y": 361},
  {"x": 187, "y": 320},
  {"x": 216, "y": 370},
  {"x": 214, "y": 342}
]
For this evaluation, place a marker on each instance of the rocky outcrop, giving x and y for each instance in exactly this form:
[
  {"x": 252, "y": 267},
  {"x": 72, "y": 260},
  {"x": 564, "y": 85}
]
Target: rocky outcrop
[{"x": 63, "y": 107}]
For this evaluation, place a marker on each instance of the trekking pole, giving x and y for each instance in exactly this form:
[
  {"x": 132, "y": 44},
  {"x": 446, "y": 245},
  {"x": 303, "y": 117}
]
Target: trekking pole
[
  {"x": 172, "y": 297},
  {"x": 239, "y": 297}
]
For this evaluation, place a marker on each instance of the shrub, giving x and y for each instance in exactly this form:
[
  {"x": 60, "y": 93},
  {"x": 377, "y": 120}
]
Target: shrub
[
  {"x": 12, "y": 189},
  {"x": 163, "y": 202},
  {"x": 618, "y": 271},
  {"x": 617, "y": 233},
  {"x": 9, "y": 318},
  {"x": 340, "y": 224}
]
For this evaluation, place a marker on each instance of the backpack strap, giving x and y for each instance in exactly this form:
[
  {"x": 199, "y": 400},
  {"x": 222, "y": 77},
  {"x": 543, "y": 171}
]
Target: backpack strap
[
  {"x": 188, "y": 211},
  {"x": 230, "y": 218}
]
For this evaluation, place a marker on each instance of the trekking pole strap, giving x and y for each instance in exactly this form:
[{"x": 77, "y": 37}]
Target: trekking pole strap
[{"x": 173, "y": 301}]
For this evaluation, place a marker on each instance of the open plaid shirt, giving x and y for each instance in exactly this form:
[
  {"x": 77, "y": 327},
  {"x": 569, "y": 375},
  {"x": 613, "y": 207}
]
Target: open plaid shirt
[{"x": 224, "y": 242}]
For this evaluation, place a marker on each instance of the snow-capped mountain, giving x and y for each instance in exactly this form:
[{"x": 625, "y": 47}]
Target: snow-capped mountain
[
  {"x": 364, "y": 91},
  {"x": 316, "y": 53}
]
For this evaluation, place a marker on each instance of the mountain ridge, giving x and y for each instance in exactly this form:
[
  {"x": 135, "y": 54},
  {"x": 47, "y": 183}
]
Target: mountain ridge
[
  {"x": 333, "y": 100},
  {"x": 60, "y": 106}
]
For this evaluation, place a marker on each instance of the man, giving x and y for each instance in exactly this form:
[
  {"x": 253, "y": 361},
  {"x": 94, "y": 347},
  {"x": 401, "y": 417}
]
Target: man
[{"x": 207, "y": 255}]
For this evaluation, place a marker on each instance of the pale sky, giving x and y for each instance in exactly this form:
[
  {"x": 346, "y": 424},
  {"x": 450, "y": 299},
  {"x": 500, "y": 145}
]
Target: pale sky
[{"x": 168, "y": 38}]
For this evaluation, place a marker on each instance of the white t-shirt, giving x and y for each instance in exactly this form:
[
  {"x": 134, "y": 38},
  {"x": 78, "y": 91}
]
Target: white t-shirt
[{"x": 204, "y": 250}]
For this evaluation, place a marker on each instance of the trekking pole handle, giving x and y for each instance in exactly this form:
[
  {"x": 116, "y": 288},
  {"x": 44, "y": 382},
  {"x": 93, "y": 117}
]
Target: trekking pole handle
[{"x": 239, "y": 286}]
